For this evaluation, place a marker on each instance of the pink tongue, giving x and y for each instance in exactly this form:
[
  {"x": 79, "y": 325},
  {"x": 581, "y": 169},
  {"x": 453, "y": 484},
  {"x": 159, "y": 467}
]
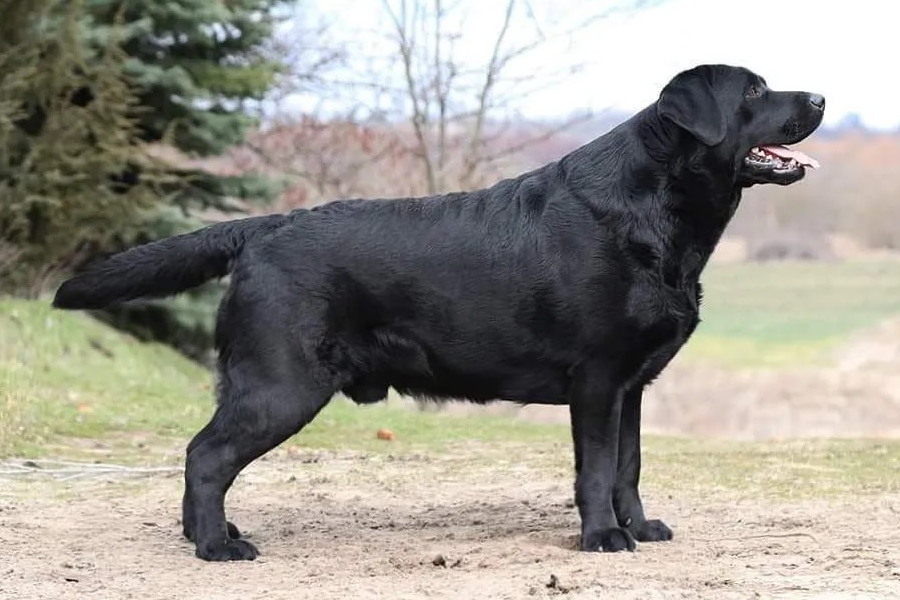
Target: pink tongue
[{"x": 785, "y": 152}]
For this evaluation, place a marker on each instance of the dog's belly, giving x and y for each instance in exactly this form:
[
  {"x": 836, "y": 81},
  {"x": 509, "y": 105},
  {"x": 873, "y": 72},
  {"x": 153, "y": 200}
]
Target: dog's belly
[
  {"x": 522, "y": 385},
  {"x": 526, "y": 387},
  {"x": 473, "y": 367}
]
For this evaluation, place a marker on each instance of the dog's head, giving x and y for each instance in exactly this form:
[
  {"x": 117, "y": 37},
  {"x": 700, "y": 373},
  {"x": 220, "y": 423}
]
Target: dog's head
[{"x": 741, "y": 124}]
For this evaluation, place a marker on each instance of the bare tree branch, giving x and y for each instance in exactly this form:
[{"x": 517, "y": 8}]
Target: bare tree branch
[
  {"x": 537, "y": 139},
  {"x": 419, "y": 117},
  {"x": 440, "y": 93},
  {"x": 490, "y": 77},
  {"x": 428, "y": 116}
]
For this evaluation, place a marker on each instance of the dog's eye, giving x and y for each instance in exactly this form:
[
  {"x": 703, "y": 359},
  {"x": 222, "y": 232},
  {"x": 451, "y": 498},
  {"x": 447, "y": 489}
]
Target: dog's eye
[{"x": 754, "y": 91}]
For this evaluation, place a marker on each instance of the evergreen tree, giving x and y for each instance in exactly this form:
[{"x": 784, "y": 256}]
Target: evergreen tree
[
  {"x": 85, "y": 87},
  {"x": 199, "y": 67},
  {"x": 66, "y": 133}
]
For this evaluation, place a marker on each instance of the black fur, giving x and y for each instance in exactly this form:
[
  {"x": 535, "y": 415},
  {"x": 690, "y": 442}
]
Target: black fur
[
  {"x": 165, "y": 267},
  {"x": 575, "y": 283}
]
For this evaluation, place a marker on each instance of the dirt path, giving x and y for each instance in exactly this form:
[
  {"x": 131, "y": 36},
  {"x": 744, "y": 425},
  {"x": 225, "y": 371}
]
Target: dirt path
[{"x": 355, "y": 527}]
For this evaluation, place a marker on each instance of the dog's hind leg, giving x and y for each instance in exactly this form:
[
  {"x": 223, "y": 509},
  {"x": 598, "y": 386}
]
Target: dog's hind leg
[{"x": 247, "y": 424}]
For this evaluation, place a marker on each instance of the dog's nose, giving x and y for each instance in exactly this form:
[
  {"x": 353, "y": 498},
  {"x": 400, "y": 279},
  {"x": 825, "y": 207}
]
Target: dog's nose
[{"x": 817, "y": 100}]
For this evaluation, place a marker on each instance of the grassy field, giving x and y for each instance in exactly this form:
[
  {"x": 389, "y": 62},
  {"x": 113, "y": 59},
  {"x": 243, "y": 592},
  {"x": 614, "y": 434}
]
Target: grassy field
[
  {"x": 66, "y": 378},
  {"x": 791, "y": 313}
]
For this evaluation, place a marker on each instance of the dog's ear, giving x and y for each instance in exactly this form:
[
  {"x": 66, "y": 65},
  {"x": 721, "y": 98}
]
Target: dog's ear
[{"x": 689, "y": 102}]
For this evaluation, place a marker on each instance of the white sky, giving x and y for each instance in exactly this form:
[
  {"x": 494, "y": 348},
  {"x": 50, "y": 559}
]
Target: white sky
[{"x": 847, "y": 51}]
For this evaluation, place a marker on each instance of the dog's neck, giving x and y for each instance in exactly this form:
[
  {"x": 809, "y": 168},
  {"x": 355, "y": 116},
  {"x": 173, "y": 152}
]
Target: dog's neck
[
  {"x": 668, "y": 173},
  {"x": 698, "y": 195}
]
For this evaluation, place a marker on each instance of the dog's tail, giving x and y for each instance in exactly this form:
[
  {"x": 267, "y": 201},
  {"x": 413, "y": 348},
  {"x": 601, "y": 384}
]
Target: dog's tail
[{"x": 165, "y": 267}]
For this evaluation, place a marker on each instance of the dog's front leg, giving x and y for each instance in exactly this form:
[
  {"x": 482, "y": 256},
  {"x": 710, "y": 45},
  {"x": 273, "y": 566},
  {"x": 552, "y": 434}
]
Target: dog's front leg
[
  {"x": 595, "y": 405},
  {"x": 626, "y": 499}
]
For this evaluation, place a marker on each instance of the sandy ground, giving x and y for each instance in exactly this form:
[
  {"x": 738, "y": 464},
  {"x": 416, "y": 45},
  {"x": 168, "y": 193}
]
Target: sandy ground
[{"x": 427, "y": 527}]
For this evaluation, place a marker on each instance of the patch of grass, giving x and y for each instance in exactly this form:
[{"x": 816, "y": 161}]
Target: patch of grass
[
  {"x": 743, "y": 470},
  {"x": 785, "y": 314},
  {"x": 65, "y": 374},
  {"x": 344, "y": 425},
  {"x": 797, "y": 469},
  {"x": 68, "y": 377}
]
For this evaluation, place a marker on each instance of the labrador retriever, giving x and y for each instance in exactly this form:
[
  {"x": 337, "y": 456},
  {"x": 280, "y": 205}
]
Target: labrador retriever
[{"x": 575, "y": 283}]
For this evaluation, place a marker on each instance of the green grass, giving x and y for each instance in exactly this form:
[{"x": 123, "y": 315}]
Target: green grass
[
  {"x": 67, "y": 381},
  {"x": 64, "y": 375},
  {"x": 786, "y": 314},
  {"x": 797, "y": 469}
]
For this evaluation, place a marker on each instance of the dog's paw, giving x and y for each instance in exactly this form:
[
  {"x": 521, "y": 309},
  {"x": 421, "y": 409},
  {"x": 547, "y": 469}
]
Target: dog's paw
[
  {"x": 653, "y": 530},
  {"x": 612, "y": 539},
  {"x": 231, "y": 549}
]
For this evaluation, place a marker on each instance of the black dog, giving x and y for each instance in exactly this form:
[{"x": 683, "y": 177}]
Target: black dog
[{"x": 573, "y": 284}]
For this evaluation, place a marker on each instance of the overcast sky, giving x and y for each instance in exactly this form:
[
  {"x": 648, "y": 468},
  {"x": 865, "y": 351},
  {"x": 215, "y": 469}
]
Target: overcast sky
[{"x": 846, "y": 50}]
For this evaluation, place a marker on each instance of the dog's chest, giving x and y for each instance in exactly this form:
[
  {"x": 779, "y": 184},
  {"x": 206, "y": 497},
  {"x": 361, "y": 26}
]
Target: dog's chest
[
  {"x": 653, "y": 298},
  {"x": 663, "y": 319}
]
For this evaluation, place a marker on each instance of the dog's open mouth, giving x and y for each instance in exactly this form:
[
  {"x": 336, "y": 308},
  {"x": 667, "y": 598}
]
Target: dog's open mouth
[{"x": 779, "y": 158}]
